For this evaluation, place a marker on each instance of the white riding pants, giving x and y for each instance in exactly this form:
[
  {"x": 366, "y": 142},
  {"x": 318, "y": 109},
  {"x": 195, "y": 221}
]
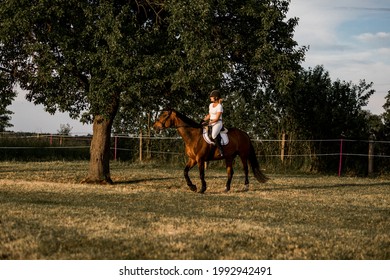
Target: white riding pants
[{"x": 216, "y": 128}]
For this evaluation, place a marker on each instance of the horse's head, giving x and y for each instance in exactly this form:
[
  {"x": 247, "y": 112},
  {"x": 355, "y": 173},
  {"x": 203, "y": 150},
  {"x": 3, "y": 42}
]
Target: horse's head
[{"x": 165, "y": 120}]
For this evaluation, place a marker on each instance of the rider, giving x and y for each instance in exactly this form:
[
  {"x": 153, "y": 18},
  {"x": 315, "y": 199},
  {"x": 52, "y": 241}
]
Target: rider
[{"x": 215, "y": 118}]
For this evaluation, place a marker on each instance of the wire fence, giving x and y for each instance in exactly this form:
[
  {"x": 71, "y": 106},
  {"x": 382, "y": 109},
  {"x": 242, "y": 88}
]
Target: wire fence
[{"x": 329, "y": 155}]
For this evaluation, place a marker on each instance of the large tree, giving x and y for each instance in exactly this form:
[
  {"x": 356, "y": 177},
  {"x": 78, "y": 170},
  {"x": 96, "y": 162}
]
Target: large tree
[{"x": 90, "y": 57}]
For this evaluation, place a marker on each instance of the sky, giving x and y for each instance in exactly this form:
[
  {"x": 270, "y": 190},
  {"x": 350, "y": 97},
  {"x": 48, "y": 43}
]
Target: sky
[{"x": 350, "y": 38}]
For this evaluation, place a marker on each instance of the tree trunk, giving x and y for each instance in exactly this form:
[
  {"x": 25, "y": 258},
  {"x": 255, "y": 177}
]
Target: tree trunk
[{"x": 99, "y": 163}]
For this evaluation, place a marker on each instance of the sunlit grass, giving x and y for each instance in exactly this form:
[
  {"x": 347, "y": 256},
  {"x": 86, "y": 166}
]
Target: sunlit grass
[{"x": 151, "y": 214}]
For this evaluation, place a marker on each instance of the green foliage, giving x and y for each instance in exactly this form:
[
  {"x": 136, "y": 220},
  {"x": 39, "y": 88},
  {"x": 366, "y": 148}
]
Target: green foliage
[
  {"x": 7, "y": 95},
  {"x": 237, "y": 46},
  {"x": 386, "y": 116},
  {"x": 84, "y": 57},
  {"x": 318, "y": 108}
]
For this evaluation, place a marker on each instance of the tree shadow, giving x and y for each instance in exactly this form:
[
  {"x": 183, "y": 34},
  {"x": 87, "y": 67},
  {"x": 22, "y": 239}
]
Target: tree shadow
[{"x": 143, "y": 180}]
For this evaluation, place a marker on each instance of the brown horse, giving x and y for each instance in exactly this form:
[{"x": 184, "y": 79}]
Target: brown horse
[{"x": 199, "y": 151}]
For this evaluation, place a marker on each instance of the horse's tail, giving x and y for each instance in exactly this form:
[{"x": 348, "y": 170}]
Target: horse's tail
[{"x": 255, "y": 165}]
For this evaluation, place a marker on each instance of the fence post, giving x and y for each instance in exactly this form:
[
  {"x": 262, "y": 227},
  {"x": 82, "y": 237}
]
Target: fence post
[
  {"x": 148, "y": 141},
  {"x": 140, "y": 145},
  {"x": 341, "y": 156},
  {"x": 115, "y": 146},
  {"x": 283, "y": 147},
  {"x": 371, "y": 155}
]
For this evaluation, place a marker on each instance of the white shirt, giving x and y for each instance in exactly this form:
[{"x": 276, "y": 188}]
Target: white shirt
[{"x": 214, "y": 110}]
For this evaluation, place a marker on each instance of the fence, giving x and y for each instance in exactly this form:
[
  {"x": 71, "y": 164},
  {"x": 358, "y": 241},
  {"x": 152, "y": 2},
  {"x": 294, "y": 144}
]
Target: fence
[{"x": 331, "y": 155}]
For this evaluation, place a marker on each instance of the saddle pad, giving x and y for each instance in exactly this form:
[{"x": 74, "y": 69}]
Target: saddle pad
[{"x": 224, "y": 136}]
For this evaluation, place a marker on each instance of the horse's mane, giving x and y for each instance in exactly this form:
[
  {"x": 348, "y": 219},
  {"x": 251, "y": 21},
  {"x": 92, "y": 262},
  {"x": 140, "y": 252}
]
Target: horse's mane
[{"x": 187, "y": 120}]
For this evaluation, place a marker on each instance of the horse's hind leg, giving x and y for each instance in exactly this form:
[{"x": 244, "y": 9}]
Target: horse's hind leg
[
  {"x": 191, "y": 163},
  {"x": 244, "y": 161},
  {"x": 230, "y": 172}
]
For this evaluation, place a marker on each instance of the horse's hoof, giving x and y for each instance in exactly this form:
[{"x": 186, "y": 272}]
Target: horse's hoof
[
  {"x": 226, "y": 190},
  {"x": 203, "y": 190},
  {"x": 193, "y": 188},
  {"x": 246, "y": 188}
]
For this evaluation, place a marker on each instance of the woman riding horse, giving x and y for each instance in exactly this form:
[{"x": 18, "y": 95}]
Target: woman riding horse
[
  {"x": 215, "y": 119},
  {"x": 199, "y": 151}
]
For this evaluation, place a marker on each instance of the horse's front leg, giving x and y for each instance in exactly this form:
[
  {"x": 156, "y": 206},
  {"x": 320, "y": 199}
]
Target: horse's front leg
[
  {"x": 191, "y": 163},
  {"x": 230, "y": 172},
  {"x": 201, "y": 175}
]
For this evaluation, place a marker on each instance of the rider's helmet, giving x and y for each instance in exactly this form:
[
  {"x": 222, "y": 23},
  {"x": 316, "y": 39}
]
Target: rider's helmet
[{"x": 216, "y": 94}]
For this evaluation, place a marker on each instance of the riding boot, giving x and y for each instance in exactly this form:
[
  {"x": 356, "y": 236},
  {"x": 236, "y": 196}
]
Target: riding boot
[{"x": 218, "y": 142}]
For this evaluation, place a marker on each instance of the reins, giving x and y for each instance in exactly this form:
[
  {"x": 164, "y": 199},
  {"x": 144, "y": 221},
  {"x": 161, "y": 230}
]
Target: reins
[{"x": 174, "y": 126}]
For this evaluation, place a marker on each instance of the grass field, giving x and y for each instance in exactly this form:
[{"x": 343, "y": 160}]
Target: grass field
[{"x": 151, "y": 214}]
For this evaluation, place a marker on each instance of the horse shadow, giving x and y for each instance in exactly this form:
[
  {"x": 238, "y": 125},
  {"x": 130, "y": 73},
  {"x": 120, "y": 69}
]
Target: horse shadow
[{"x": 324, "y": 186}]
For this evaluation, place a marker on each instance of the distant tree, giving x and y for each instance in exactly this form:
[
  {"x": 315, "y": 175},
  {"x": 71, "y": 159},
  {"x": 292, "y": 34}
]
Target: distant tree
[
  {"x": 374, "y": 124},
  {"x": 89, "y": 58},
  {"x": 317, "y": 108},
  {"x": 65, "y": 129},
  {"x": 381, "y": 130},
  {"x": 386, "y": 117},
  {"x": 7, "y": 95}
]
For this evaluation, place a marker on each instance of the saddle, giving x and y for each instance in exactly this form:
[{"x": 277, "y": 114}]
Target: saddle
[{"x": 207, "y": 136}]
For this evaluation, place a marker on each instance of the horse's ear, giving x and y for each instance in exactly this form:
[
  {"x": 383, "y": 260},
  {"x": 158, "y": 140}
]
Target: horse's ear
[{"x": 169, "y": 110}]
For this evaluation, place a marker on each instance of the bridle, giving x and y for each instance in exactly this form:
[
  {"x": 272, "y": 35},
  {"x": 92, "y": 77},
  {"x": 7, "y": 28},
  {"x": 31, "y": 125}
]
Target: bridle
[
  {"x": 166, "y": 119},
  {"x": 170, "y": 111}
]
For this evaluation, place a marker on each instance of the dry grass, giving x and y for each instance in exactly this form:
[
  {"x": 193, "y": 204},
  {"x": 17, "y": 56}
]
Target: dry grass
[{"x": 151, "y": 214}]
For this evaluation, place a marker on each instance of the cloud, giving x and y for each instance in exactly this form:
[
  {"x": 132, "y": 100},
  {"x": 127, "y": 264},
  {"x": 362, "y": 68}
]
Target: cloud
[
  {"x": 317, "y": 22},
  {"x": 384, "y": 51},
  {"x": 364, "y": 9},
  {"x": 349, "y": 38},
  {"x": 368, "y": 37}
]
